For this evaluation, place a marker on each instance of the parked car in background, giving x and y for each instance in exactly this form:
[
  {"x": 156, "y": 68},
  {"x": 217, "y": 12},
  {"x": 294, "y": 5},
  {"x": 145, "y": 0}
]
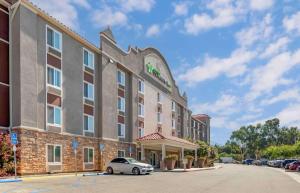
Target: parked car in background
[
  {"x": 128, "y": 166},
  {"x": 298, "y": 169},
  {"x": 226, "y": 160},
  {"x": 277, "y": 163},
  {"x": 248, "y": 161},
  {"x": 294, "y": 165},
  {"x": 286, "y": 162},
  {"x": 260, "y": 162}
]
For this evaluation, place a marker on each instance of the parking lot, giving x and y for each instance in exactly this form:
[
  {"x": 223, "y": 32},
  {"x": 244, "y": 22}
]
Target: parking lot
[{"x": 228, "y": 179}]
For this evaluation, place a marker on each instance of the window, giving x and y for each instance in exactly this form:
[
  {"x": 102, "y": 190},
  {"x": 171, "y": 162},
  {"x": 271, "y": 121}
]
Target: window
[
  {"x": 88, "y": 155},
  {"x": 140, "y": 110},
  {"x": 173, "y": 124},
  {"x": 121, "y": 78},
  {"x": 121, "y": 153},
  {"x": 54, "y": 115},
  {"x": 141, "y": 132},
  {"x": 88, "y": 123},
  {"x": 54, "y": 154},
  {"x": 88, "y": 59},
  {"x": 158, "y": 98},
  {"x": 159, "y": 117},
  {"x": 173, "y": 106},
  {"x": 54, "y": 39},
  {"x": 141, "y": 87},
  {"x": 121, "y": 104},
  {"x": 54, "y": 77},
  {"x": 139, "y": 155},
  {"x": 88, "y": 91},
  {"x": 121, "y": 130}
]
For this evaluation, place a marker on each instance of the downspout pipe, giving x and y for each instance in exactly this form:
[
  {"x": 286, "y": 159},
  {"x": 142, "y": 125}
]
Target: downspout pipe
[{"x": 12, "y": 11}]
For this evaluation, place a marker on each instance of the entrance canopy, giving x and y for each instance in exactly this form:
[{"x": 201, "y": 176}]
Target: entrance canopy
[{"x": 159, "y": 139}]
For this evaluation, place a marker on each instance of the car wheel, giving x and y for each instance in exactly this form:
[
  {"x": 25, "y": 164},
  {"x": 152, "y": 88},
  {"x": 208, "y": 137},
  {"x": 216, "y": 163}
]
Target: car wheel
[
  {"x": 109, "y": 170},
  {"x": 136, "y": 171}
]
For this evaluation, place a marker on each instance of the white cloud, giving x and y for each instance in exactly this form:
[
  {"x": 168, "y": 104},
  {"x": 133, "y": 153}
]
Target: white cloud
[
  {"x": 226, "y": 104},
  {"x": 82, "y": 3},
  {"x": 212, "y": 67},
  {"x": 153, "y": 30},
  {"x": 292, "y": 23},
  {"x": 107, "y": 17},
  {"x": 286, "y": 95},
  {"x": 181, "y": 8},
  {"x": 276, "y": 47},
  {"x": 265, "y": 78},
  {"x": 260, "y": 5},
  {"x": 224, "y": 123},
  {"x": 136, "y": 5},
  {"x": 224, "y": 13},
  {"x": 290, "y": 115},
  {"x": 259, "y": 30},
  {"x": 64, "y": 11}
]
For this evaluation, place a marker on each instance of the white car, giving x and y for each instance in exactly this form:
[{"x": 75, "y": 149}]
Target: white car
[{"x": 128, "y": 166}]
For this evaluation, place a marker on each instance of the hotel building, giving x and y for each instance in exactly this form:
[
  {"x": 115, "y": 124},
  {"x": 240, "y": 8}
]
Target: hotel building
[{"x": 56, "y": 87}]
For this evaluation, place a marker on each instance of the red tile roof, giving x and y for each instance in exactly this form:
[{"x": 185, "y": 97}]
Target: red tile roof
[{"x": 158, "y": 136}]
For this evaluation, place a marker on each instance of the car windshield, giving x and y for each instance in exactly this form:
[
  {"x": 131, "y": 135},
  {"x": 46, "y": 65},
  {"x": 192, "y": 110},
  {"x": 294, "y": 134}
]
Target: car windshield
[{"x": 132, "y": 161}]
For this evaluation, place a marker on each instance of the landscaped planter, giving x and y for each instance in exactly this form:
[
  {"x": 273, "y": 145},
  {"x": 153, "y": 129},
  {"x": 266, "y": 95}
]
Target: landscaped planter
[
  {"x": 201, "y": 162},
  {"x": 189, "y": 164},
  {"x": 190, "y": 160},
  {"x": 170, "y": 161},
  {"x": 170, "y": 164}
]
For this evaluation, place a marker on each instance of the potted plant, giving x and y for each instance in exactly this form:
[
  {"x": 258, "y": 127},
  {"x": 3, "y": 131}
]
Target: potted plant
[
  {"x": 170, "y": 161},
  {"x": 202, "y": 152},
  {"x": 190, "y": 160}
]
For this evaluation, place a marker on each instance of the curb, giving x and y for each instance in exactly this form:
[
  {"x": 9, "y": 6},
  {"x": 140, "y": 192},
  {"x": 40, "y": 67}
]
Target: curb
[
  {"x": 95, "y": 174},
  {"x": 10, "y": 180},
  {"x": 194, "y": 170}
]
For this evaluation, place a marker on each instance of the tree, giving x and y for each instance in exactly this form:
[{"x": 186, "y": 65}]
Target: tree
[{"x": 203, "y": 149}]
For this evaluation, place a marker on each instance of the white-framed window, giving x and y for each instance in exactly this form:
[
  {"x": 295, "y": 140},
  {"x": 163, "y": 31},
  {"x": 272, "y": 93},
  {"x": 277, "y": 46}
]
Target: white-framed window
[
  {"x": 173, "y": 124},
  {"x": 121, "y": 104},
  {"x": 121, "y": 130},
  {"x": 88, "y": 91},
  {"x": 54, "y": 38},
  {"x": 141, "y": 110},
  {"x": 54, "y": 154},
  {"x": 173, "y": 106},
  {"x": 88, "y": 58},
  {"x": 141, "y": 132},
  {"x": 54, "y": 115},
  {"x": 88, "y": 155},
  {"x": 141, "y": 86},
  {"x": 121, "y": 153},
  {"x": 54, "y": 77},
  {"x": 88, "y": 123},
  {"x": 159, "y": 117},
  {"x": 121, "y": 78}
]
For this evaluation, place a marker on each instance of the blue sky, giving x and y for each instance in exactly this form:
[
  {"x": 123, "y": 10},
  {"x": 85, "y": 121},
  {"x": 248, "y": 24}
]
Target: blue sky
[{"x": 238, "y": 61}]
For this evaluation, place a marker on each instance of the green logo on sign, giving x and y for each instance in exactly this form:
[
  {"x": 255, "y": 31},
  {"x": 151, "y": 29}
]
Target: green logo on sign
[{"x": 152, "y": 70}]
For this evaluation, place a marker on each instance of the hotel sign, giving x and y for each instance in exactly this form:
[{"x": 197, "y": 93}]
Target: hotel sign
[{"x": 154, "y": 71}]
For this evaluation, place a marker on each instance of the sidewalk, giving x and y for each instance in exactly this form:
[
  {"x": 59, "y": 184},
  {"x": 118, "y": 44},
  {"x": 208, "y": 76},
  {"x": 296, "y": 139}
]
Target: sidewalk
[{"x": 190, "y": 170}]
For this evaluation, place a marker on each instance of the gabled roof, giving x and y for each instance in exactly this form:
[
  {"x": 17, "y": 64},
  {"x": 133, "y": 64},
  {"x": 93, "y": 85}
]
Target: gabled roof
[{"x": 159, "y": 136}]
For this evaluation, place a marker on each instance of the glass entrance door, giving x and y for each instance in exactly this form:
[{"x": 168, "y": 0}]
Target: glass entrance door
[{"x": 153, "y": 159}]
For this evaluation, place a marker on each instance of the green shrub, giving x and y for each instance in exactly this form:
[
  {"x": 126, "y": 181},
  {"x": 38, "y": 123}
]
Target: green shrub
[
  {"x": 189, "y": 157},
  {"x": 172, "y": 157},
  {"x": 6, "y": 155},
  {"x": 203, "y": 149}
]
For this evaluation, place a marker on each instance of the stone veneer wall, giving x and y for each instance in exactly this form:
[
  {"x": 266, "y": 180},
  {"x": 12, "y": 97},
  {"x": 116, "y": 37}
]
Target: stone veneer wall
[{"x": 32, "y": 146}]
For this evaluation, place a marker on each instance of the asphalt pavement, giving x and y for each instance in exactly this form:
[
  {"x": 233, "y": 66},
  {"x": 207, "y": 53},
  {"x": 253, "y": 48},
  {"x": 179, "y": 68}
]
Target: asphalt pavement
[{"x": 228, "y": 179}]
